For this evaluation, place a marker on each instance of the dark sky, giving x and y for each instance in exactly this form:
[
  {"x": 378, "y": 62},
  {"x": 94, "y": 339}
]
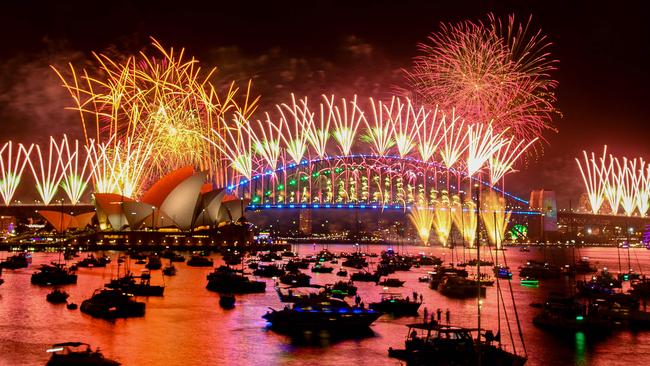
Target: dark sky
[{"x": 603, "y": 48}]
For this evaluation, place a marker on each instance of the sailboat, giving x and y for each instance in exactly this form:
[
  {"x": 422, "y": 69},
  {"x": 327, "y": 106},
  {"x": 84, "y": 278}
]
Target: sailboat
[{"x": 433, "y": 343}]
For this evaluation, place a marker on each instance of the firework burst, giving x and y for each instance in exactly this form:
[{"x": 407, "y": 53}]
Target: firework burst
[
  {"x": 489, "y": 71},
  {"x": 495, "y": 217},
  {"x": 166, "y": 100},
  {"x": 49, "y": 172},
  {"x": 76, "y": 176},
  {"x": 12, "y": 167},
  {"x": 422, "y": 218}
]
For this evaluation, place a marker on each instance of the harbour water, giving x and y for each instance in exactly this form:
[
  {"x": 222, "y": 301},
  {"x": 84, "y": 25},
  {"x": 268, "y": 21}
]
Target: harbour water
[{"x": 187, "y": 326}]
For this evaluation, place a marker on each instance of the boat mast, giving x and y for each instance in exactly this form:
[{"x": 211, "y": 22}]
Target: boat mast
[
  {"x": 496, "y": 263},
  {"x": 478, "y": 270}
]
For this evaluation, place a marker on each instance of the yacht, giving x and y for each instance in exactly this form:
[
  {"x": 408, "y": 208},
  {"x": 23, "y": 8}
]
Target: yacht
[
  {"x": 111, "y": 304},
  {"x": 396, "y": 304},
  {"x": 199, "y": 261},
  {"x": 20, "y": 260},
  {"x": 129, "y": 285},
  {"x": 57, "y": 296},
  {"x": 460, "y": 287},
  {"x": 71, "y": 354},
  {"x": 226, "y": 280},
  {"x": 332, "y": 314},
  {"x": 437, "y": 345},
  {"x": 54, "y": 274}
]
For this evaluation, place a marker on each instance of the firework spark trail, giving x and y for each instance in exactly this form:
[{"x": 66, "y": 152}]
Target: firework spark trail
[
  {"x": 594, "y": 185},
  {"x": 379, "y": 131},
  {"x": 643, "y": 189},
  {"x": 502, "y": 162},
  {"x": 236, "y": 146},
  {"x": 130, "y": 166},
  {"x": 266, "y": 141},
  {"x": 294, "y": 135},
  {"x": 463, "y": 216},
  {"x": 318, "y": 131},
  {"x": 495, "y": 217},
  {"x": 422, "y": 218},
  {"x": 453, "y": 141},
  {"x": 428, "y": 136},
  {"x": 610, "y": 176},
  {"x": 102, "y": 171},
  {"x": 12, "y": 168},
  {"x": 482, "y": 144},
  {"x": 405, "y": 122},
  {"x": 496, "y": 71},
  {"x": 628, "y": 186},
  {"x": 76, "y": 178},
  {"x": 49, "y": 174},
  {"x": 345, "y": 124},
  {"x": 443, "y": 219}
]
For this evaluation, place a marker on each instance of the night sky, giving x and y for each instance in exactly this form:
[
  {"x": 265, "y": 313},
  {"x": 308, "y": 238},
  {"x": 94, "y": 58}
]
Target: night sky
[{"x": 603, "y": 49}]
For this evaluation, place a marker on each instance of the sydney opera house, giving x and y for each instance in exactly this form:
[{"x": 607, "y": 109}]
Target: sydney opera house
[{"x": 179, "y": 205}]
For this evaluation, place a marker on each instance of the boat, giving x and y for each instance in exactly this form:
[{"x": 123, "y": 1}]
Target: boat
[
  {"x": 525, "y": 248},
  {"x": 540, "y": 270},
  {"x": 424, "y": 260},
  {"x": 391, "y": 282},
  {"x": 484, "y": 280},
  {"x": 177, "y": 258},
  {"x": 153, "y": 263},
  {"x": 233, "y": 258},
  {"x": 318, "y": 268},
  {"x": 288, "y": 253},
  {"x": 355, "y": 260},
  {"x": 562, "y": 314},
  {"x": 503, "y": 272},
  {"x": 20, "y": 260},
  {"x": 365, "y": 276},
  {"x": 54, "y": 274},
  {"x": 129, "y": 285},
  {"x": 135, "y": 255},
  {"x": 111, "y": 304},
  {"x": 296, "y": 278},
  {"x": 92, "y": 261},
  {"x": 425, "y": 278},
  {"x": 473, "y": 262},
  {"x": 435, "y": 277},
  {"x": 342, "y": 289},
  {"x": 600, "y": 285},
  {"x": 227, "y": 301},
  {"x": 172, "y": 256},
  {"x": 529, "y": 281},
  {"x": 301, "y": 293},
  {"x": 226, "y": 280},
  {"x": 396, "y": 304},
  {"x": 437, "y": 345},
  {"x": 70, "y": 354},
  {"x": 169, "y": 270},
  {"x": 460, "y": 287},
  {"x": 72, "y": 306},
  {"x": 269, "y": 270},
  {"x": 57, "y": 296},
  {"x": 583, "y": 266},
  {"x": 342, "y": 273},
  {"x": 199, "y": 261},
  {"x": 640, "y": 287},
  {"x": 331, "y": 314}
]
